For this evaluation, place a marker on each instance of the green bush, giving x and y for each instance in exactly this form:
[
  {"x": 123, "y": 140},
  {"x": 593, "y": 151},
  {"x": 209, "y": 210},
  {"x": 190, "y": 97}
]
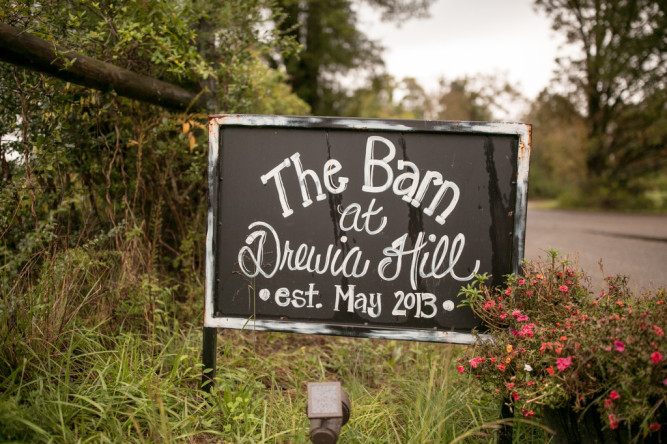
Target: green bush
[{"x": 557, "y": 343}]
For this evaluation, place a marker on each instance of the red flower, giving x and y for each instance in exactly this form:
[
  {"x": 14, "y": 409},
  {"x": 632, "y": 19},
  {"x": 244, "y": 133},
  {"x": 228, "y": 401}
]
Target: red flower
[
  {"x": 529, "y": 293},
  {"x": 528, "y": 413},
  {"x": 563, "y": 288},
  {"x": 658, "y": 330},
  {"x": 608, "y": 403},
  {"x": 656, "y": 358},
  {"x": 460, "y": 368},
  {"x": 614, "y": 395},
  {"x": 515, "y": 396},
  {"x": 493, "y": 360},
  {"x": 522, "y": 281},
  {"x": 613, "y": 422},
  {"x": 619, "y": 346},
  {"x": 508, "y": 291},
  {"x": 501, "y": 367},
  {"x": 550, "y": 370},
  {"x": 563, "y": 363},
  {"x": 654, "y": 427}
]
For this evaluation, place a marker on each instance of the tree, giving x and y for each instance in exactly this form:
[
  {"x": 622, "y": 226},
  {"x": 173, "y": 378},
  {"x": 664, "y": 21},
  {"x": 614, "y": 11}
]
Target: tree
[
  {"x": 86, "y": 164},
  {"x": 384, "y": 97},
  {"x": 557, "y": 161},
  {"x": 331, "y": 44},
  {"x": 476, "y": 98},
  {"x": 619, "y": 77}
]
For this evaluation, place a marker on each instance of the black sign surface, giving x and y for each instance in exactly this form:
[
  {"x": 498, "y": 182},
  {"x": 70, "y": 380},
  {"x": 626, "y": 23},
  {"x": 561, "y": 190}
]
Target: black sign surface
[{"x": 360, "y": 227}]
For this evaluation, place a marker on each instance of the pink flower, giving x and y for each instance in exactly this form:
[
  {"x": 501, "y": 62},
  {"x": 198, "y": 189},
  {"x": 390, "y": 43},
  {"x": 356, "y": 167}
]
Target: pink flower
[
  {"x": 619, "y": 346},
  {"x": 508, "y": 291},
  {"x": 563, "y": 288},
  {"x": 474, "y": 362},
  {"x": 658, "y": 330},
  {"x": 614, "y": 395},
  {"x": 563, "y": 363},
  {"x": 613, "y": 422},
  {"x": 501, "y": 367},
  {"x": 516, "y": 313},
  {"x": 527, "y": 330},
  {"x": 522, "y": 318},
  {"x": 489, "y": 305},
  {"x": 656, "y": 358},
  {"x": 522, "y": 281},
  {"x": 529, "y": 293},
  {"x": 608, "y": 403},
  {"x": 503, "y": 315},
  {"x": 460, "y": 368}
]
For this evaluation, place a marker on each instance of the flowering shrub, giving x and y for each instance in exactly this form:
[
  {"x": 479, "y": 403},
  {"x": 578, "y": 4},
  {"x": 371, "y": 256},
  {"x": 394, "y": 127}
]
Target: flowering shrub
[{"x": 557, "y": 343}]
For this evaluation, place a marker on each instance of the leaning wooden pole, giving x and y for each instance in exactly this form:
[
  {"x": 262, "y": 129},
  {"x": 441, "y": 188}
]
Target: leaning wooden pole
[{"x": 24, "y": 49}]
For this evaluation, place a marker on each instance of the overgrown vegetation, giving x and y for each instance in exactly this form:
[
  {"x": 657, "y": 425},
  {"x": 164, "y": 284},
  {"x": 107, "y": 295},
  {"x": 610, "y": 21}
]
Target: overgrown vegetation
[
  {"x": 80, "y": 362},
  {"x": 559, "y": 343}
]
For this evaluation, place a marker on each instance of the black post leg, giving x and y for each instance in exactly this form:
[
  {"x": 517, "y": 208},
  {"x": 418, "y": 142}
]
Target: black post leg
[
  {"x": 505, "y": 432},
  {"x": 210, "y": 345}
]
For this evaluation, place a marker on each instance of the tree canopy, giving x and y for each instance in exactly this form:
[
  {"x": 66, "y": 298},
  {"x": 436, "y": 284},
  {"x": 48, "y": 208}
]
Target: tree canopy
[
  {"x": 618, "y": 79},
  {"x": 78, "y": 163},
  {"x": 332, "y": 43}
]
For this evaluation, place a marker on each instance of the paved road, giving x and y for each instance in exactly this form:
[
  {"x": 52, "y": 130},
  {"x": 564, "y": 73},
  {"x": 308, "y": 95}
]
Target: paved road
[{"x": 630, "y": 244}]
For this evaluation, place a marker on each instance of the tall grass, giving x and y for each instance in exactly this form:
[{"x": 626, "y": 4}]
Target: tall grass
[{"x": 93, "y": 353}]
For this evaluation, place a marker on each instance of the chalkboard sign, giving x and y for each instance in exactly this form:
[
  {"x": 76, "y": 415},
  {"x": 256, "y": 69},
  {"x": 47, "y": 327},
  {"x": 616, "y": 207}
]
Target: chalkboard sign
[{"x": 360, "y": 227}]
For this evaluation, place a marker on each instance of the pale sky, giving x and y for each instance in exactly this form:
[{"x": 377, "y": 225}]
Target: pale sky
[{"x": 468, "y": 37}]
